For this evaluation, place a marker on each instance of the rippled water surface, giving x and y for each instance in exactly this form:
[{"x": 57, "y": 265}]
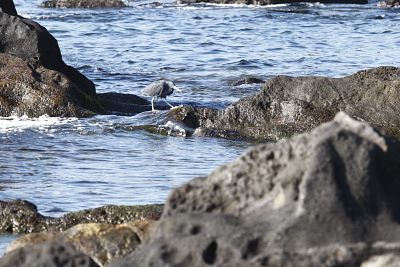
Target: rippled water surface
[{"x": 69, "y": 164}]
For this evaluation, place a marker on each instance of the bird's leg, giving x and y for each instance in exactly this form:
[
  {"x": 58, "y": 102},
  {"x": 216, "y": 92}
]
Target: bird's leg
[
  {"x": 152, "y": 105},
  {"x": 168, "y": 103}
]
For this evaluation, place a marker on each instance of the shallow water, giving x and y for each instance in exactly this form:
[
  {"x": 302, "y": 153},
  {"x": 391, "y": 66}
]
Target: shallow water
[{"x": 65, "y": 165}]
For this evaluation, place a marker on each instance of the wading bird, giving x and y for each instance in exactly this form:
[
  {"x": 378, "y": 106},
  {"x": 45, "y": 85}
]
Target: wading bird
[{"x": 160, "y": 89}]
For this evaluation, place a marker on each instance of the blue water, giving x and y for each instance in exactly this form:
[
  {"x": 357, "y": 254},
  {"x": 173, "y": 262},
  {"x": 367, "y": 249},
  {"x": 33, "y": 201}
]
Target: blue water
[{"x": 65, "y": 165}]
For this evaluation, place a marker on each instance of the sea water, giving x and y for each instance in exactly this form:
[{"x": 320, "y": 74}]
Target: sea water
[{"x": 68, "y": 164}]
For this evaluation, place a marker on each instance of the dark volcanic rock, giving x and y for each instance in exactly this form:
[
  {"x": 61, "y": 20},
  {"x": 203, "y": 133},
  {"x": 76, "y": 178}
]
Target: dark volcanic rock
[
  {"x": 47, "y": 254},
  {"x": 29, "y": 41},
  {"x": 290, "y": 105},
  {"x": 20, "y": 216},
  {"x": 35, "y": 91},
  {"x": 8, "y": 7},
  {"x": 83, "y": 3},
  {"x": 248, "y": 80},
  {"x": 123, "y": 104},
  {"x": 325, "y": 198},
  {"x": 34, "y": 80}
]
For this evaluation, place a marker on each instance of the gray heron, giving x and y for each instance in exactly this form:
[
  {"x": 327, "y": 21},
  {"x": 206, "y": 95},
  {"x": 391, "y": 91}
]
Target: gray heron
[{"x": 160, "y": 89}]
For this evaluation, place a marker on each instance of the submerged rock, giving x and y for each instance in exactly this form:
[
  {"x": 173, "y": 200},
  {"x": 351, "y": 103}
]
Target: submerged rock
[
  {"x": 291, "y": 105},
  {"x": 51, "y": 253},
  {"x": 123, "y": 104},
  {"x": 82, "y": 3},
  {"x": 102, "y": 242},
  {"x": 20, "y": 216},
  {"x": 325, "y": 198},
  {"x": 248, "y": 80}
]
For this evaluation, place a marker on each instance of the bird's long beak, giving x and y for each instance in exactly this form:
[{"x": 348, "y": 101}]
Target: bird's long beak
[{"x": 179, "y": 90}]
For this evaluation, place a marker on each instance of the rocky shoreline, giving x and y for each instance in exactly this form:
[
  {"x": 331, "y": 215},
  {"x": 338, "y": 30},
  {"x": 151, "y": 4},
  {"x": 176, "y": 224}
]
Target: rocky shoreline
[
  {"x": 105, "y": 233},
  {"x": 36, "y": 81},
  {"x": 328, "y": 197},
  {"x": 324, "y": 194}
]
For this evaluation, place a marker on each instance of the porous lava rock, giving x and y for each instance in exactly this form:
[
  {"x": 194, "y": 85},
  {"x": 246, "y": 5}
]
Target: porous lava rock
[
  {"x": 291, "y": 105},
  {"x": 329, "y": 197},
  {"x": 83, "y": 3},
  {"x": 52, "y": 253},
  {"x": 21, "y": 216},
  {"x": 102, "y": 242}
]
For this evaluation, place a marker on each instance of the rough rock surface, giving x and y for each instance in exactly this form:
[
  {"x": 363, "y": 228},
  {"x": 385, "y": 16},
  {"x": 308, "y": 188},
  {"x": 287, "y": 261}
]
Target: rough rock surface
[
  {"x": 47, "y": 254},
  {"x": 325, "y": 198},
  {"x": 83, "y": 3},
  {"x": 291, "y": 105},
  {"x": 35, "y": 91},
  {"x": 20, "y": 216},
  {"x": 29, "y": 41},
  {"x": 34, "y": 80},
  {"x": 102, "y": 242}
]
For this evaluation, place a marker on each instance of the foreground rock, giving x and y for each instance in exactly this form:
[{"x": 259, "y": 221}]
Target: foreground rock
[
  {"x": 291, "y": 105},
  {"x": 83, "y": 3},
  {"x": 20, "y": 216},
  {"x": 102, "y": 242},
  {"x": 51, "y": 253},
  {"x": 325, "y": 198}
]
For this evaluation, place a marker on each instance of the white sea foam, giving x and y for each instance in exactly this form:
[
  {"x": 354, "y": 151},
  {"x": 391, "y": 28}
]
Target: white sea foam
[
  {"x": 176, "y": 129},
  {"x": 42, "y": 123}
]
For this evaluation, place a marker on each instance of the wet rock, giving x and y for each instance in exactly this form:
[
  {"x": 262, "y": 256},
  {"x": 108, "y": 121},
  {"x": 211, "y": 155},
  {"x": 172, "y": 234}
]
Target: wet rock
[
  {"x": 51, "y": 253},
  {"x": 324, "y": 198},
  {"x": 35, "y": 91},
  {"x": 207, "y": 132},
  {"x": 83, "y": 3},
  {"x": 391, "y": 3},
  {"x": 102, "y": 242},
  {"x": 29, "y": 41},
  {"x": 34, "y": 78},
  {"x": 290, "y": 105},
  {"x": 20, "y": 216},
  {"x": 248, "y": 80},
  {"x": 123, "y": 104}
]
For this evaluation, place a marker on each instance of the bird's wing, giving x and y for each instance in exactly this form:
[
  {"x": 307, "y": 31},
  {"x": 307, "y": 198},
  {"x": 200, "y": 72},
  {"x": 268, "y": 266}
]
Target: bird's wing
[{"x": 154, "y": 89}]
